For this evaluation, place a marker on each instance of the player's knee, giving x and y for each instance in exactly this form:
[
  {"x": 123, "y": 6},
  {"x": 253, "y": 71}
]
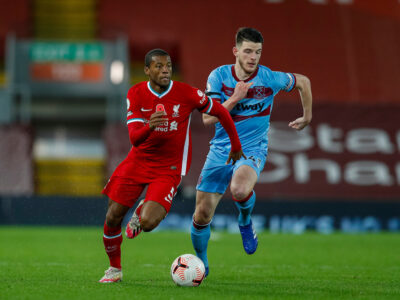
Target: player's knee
[
  {"x": 112, "y": 219},
  {"x": 148, "y": 224},
  {"x": 239, "y": 192},
  {"x": 202, "y": 215}
]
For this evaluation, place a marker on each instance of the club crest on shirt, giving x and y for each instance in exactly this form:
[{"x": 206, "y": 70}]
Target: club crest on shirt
[
  {"x": 175, "y": 114},
  {"x": 200, "y": 93},
  {"x": 259, "y": 92}
]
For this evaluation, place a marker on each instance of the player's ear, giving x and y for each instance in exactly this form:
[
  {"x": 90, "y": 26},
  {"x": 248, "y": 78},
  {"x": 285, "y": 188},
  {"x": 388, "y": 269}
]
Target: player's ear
[
  {"x": 235, "y": 51},
  {"x": 147, "y": 70}
]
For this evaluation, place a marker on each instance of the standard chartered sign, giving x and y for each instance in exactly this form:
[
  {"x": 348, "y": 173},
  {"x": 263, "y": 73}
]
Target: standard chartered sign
[
  {"x": 338, "y": 157},
  {"x": 69, "y": 52}
]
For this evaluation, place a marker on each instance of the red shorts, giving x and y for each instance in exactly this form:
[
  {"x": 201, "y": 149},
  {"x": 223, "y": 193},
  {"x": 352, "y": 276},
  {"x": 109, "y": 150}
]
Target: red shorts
[{"x": 126, "y": 191}]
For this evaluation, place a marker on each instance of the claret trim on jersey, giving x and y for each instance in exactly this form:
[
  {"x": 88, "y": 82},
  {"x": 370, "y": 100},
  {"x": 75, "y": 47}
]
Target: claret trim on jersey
[
  {"x": 248, "y": 79},
  {"x": 162, "y": 94}
]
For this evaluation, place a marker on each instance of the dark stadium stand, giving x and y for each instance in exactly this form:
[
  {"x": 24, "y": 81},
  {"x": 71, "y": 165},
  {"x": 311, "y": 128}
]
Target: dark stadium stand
[
  {"x": 350, "y": 51},
  {"x": 15, "y": 16},
  {"x": 116, "y": 140},
  {"x": 16, "y": 165}
]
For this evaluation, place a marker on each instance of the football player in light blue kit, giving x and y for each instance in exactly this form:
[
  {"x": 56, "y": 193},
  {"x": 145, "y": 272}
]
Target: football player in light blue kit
[{"x": 247, "y": 90}]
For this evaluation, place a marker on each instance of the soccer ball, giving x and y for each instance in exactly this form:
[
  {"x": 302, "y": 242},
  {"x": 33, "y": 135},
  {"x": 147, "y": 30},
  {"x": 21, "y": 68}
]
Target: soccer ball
[{"x": 187, "y": 270}]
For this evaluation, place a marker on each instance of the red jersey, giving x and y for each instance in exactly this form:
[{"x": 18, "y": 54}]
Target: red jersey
[{"x": 167, "y": 150}]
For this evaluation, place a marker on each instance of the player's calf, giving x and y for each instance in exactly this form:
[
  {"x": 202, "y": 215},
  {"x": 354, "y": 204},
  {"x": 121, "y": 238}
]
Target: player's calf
[
  {"x": 152, "y": 213},
  {"x": 245, "y": 207},
  {"x": 200, "y": 235},
  {"x": 148, "y": 224}
]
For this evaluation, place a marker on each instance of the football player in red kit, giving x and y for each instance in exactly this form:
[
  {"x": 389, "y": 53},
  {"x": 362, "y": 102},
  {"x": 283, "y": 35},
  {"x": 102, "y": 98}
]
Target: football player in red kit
[{"x": 159, "y": 112}]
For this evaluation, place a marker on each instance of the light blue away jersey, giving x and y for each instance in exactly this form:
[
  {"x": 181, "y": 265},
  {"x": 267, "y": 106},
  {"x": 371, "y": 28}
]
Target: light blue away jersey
[{"x": 251, "y": 114}]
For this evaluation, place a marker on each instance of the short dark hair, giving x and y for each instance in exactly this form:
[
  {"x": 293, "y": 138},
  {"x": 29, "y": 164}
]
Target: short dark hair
[
  {"x": 155, "y": 52},
  {"x": 248, "y": 34}
]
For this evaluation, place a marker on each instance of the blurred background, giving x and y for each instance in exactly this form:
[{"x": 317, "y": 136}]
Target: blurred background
[{"x": 66, "y": 66}]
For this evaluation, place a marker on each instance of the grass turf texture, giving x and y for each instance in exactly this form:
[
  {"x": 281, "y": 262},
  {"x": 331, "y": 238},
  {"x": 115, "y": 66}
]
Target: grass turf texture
[{"x": 67, "y": 262}]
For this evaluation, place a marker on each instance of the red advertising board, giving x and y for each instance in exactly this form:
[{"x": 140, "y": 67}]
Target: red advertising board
[
  {"x": 347, "y": 152},
  {"x": 67, "y": 72}
]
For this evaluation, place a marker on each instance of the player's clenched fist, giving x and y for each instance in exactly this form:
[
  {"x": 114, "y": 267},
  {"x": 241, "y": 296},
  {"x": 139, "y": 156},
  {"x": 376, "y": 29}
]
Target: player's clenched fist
[
  {"x": 235, "y": 156},
  {"x": 157, "y": 119},
  {"x": 241, "y": 90}
]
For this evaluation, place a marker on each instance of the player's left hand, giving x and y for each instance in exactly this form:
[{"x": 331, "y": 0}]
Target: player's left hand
[
  {"x": 299, "y": 123},
  {"x": 235, "y": 156}
]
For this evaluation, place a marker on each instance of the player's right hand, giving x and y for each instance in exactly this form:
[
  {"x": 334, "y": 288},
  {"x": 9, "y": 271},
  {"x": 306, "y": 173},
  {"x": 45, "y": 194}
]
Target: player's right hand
[
  {"x": 241, "y": 90},
  {"x": 157, "y": 119},
  {"x": 300, "y": 123},
  {"x": 235, "y": 156}
]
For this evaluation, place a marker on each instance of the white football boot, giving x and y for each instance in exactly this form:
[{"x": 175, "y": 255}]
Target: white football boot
[{"x": 111, "y": 275}]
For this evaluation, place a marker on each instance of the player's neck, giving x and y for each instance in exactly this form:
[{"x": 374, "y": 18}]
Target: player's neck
[
  {"x": 242, "y": 74},
  {"x": 158, "y": 88}
]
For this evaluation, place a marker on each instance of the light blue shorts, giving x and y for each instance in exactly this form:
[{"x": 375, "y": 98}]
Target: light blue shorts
[{"x": 216, "y": 175}]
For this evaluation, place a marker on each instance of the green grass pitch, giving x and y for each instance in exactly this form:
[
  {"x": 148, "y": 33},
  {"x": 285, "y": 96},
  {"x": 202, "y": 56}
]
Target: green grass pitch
[{"x": 67, "y": 262}]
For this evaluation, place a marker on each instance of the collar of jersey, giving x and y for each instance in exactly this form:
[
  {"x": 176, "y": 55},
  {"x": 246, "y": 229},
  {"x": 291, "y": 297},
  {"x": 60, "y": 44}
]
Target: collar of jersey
[
  {"x": 248, "y": 79},
  {"x": 162, "y": 94}
]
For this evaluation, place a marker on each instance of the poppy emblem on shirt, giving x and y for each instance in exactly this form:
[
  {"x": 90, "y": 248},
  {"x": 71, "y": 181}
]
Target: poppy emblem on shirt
[{"x": 160, "y": 107}]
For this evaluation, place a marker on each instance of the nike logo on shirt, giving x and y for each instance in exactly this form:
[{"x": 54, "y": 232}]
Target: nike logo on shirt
[{"x": 143, "y": 109}]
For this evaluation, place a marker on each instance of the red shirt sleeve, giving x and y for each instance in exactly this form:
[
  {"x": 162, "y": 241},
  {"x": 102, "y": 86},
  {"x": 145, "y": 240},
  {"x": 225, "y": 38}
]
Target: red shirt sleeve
[
  {"x": 133, "y": 106},
  {"x": 138, "y": 129},
  {"x": 207, "y": 105},
  {"x": 217, "y": 110},
  {"x": 138, "y": 133}
]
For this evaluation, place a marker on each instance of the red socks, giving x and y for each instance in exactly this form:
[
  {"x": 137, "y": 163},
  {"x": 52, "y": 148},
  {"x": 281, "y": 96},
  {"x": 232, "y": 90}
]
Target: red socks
[{"x": 112, "y": 239}]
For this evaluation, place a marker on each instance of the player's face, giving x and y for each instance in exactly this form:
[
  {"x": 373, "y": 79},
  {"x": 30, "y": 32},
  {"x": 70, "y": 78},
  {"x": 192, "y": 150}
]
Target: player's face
[
  {"x": 248, "y": 55},
  {"x": 160, "y": 71}
]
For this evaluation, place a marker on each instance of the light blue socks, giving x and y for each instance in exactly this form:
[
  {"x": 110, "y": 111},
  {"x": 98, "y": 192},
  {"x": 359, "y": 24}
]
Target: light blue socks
[
  {"x": 245, "y": 209},
  {"x": 200, "y": 237}
]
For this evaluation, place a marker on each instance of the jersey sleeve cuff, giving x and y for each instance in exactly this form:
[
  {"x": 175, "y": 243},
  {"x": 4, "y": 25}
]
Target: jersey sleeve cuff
[
  {"x": 140, "y": 120},
  {"x": 207, "y": 107},
  {"x": 292, "y": 82}
]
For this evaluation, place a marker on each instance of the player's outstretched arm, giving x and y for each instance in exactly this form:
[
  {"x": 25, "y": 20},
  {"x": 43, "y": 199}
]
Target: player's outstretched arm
[
  {"x": 239, "y": 93},
  {"x": 225, "y": 118},
  {"x": 303, "y": 84}
]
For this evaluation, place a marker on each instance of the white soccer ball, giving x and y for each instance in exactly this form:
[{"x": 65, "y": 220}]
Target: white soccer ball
[{"x": 187, "y": 270}]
